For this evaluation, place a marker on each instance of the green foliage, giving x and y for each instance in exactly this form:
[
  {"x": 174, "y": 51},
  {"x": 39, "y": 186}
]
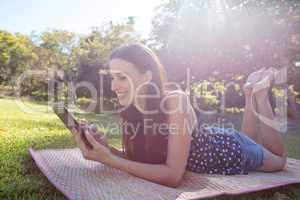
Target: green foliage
[
  {"x": 15, "y": 56},
  {"x": 209, "y": 94},
  {"x": 93, "y": 50},
  {"x": 228, "y": 36},
  {"x": 84, "y": 101},
  {"x": 293, "y": 90},
  {"x": 77, "y": 57},
  {"x": 40, "y": 95},
  {"x": 54, "y": 50},
  {"x": 234, "y": 110}
]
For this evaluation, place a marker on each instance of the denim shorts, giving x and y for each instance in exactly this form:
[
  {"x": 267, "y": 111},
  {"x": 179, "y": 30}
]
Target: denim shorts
[{"x": 253, "y": 152}]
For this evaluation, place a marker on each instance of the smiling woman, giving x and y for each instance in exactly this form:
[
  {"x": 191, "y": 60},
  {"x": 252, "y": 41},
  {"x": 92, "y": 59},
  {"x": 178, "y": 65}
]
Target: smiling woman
[
  {"x": 140, "y": 90},
  {"x": 160, "y": 137}
]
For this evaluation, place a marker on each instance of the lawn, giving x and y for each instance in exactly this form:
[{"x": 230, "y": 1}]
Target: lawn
[{"x": 21, "y": 179}]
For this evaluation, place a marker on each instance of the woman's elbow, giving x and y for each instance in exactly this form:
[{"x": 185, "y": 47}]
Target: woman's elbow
[
  {"x": 173, "y": 183},
  {"x": 174, "y": 179}
]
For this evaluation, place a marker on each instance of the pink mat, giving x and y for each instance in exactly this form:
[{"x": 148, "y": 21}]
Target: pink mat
[{"x": 80, "y": 179}]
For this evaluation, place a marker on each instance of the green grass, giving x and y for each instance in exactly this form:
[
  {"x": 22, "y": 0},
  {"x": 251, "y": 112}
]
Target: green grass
[
  {"x": 21, "y": 179},
  {"x": 19, "y": 176}
]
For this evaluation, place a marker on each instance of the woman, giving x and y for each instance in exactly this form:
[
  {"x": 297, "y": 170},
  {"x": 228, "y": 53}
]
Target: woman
[{"x": 160, "y": 137}]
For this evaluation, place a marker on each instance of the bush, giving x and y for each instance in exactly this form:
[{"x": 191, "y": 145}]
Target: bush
[
  {"x": 84, "y": 102},
  {"x": 39, "y": 95},
  {"x": 206, "y": 94}
]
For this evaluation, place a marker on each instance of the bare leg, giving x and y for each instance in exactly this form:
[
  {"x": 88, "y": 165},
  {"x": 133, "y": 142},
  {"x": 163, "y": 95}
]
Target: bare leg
[
  {"x": 249, "y": 124},
  {"x": 274, "y": 153},
  {"x": 270, "y": 137}
]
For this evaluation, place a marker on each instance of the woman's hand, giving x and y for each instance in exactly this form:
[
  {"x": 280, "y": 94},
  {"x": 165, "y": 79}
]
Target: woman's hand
[
  {"x": 99, "y": 152},
  {"x": 100, "y": 137}
]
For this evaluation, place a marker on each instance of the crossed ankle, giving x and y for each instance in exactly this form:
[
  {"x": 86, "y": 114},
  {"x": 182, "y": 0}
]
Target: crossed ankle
[
  {"x": 262, "y": 95},
  {"x": 262, "y": 99}
]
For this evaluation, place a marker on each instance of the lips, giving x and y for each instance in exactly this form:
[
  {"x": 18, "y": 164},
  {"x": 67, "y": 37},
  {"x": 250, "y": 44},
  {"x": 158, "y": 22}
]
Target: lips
[{"x": 121, "y": 94}]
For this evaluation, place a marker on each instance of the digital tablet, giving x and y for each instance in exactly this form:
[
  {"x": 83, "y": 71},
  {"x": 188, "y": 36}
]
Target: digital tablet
[{"x": 70, "y": 122}]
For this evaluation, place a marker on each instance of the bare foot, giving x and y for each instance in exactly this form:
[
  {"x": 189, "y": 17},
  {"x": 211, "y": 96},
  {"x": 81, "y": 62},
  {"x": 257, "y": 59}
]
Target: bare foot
[
  {"x": 252, "y": 79},
  {"x": 248, "y": 88},
  {"x": 261, "y": 88}
]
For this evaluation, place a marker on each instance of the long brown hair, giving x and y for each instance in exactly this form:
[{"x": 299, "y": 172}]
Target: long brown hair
[{"x": 141, "y": 144}]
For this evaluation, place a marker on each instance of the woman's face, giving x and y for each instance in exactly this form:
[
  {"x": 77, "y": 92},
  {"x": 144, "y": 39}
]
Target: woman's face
[{"x": 126, "y": 80}]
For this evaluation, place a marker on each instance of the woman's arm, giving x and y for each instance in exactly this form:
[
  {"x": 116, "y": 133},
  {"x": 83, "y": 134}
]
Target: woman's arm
[
  {"x": 117, "y": 152},
  {"x": 158, "y": 173},
  {"x": 171, "y": 172}
]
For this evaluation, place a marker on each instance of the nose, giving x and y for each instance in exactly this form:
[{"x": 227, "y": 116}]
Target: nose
[{"x": 115, "y": 85}]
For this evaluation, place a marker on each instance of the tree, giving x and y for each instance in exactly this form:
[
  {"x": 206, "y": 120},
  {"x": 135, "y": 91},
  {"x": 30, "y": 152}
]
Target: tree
[
  {"x": 93, "y": 52},
  {"x": 15, "y": 56},
  {"x": 227, "y": 36},
  {"x": 55, "y": 49}
]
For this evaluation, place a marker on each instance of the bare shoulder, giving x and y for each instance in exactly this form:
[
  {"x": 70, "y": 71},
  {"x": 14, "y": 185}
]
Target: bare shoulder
[{"x": 178, "y": 102}]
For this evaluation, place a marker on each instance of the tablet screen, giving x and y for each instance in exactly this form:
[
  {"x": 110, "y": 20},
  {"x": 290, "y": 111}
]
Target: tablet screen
[{"x": 66, "y": 117}]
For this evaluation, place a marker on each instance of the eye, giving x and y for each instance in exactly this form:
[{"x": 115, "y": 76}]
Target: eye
[
  {"x": 122, "y": 77},
  {"x": 117, "y": 77}
]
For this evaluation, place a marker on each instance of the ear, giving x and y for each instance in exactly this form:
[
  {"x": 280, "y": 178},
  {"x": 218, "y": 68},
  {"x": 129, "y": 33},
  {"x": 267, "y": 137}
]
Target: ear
[{"x": 148, "y": 76}]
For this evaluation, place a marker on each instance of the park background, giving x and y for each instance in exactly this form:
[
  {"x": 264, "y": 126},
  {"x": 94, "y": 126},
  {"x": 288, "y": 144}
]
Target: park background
[{"x": 217, "y": 42}]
